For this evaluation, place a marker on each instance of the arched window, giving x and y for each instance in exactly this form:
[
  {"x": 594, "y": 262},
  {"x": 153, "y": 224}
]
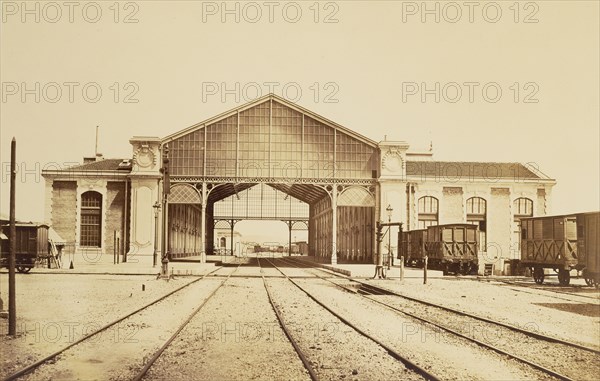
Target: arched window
[
  {"x": 428, "y": 211},
  {"x": 476, "y": 215},
  {"x": 91, "y": 218},
  {"x": 522, "y": 207}
]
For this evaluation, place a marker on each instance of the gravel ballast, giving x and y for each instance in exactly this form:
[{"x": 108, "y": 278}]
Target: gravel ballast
[
  {"x": 335, "y": 349},
  {"x": 55, "y": 310},
  {"x": 445, "y": 355},
  {"x": 236, "y": 336}
]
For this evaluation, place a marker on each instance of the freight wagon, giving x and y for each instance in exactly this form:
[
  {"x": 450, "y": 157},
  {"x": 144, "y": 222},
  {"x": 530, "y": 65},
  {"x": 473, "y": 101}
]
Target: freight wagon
[
  {"x": 31, "y": 242},
  {"x": 588, "y": 246},
  {"x": 550, "y": 242},
  {"x": 453, "y": 248},
  {"x": 412, "y": 247}
]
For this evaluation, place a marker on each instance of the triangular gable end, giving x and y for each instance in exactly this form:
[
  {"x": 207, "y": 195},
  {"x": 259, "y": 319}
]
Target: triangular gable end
[{"x": 265, "y": 101}]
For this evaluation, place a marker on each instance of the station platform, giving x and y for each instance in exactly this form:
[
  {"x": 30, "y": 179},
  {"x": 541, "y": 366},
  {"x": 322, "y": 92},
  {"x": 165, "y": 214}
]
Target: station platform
[
  {"x": 143, "y": 265},
  {"x": 105, "y": 264},
  {"x": 367, "y": 270}
]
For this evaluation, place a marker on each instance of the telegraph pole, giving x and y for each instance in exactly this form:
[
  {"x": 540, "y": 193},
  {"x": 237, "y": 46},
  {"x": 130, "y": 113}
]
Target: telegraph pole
[
  {"x": 166, "y": 190},
  {"x": 12, "y": 305}
]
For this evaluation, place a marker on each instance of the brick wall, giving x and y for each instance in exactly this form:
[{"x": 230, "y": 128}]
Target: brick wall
[
  {"x": 64, "y": 211},
  {"x": 115, "y": 203}
]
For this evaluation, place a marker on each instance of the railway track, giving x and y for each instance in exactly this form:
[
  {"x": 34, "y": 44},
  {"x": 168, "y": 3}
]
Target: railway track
[
  {"x": 375, "y": 293},
  {"x": 140, "y": 375},
  {"x": 311, "y": 371},
  {"x": 398, "y": 356},
  {"x": 55, "y": 355},
  {"x": 462, "y": 313},
  {"x": 546, "y": 290}
]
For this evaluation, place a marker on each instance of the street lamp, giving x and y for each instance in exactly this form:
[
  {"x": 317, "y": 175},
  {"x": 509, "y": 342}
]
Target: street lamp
[
  {"x": 156, "y": 207},
  {"x": 389, "y": 211}
]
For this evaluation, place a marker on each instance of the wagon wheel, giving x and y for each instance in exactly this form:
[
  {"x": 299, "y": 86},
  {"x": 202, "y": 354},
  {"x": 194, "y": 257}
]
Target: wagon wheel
[
  {"x": 564, "y": 277},
  {"x": 473, "y": 269},
  {"x": 538, "y": 275},
  {"x": 23, "y": 269}
]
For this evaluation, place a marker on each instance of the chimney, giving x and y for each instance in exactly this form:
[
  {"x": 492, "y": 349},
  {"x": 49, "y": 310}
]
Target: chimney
[{"x": 93, "y": 159}]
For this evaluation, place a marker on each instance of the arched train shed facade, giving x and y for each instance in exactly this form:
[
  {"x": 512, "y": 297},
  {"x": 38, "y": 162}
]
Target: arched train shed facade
[{"x": 344, "y": 180}]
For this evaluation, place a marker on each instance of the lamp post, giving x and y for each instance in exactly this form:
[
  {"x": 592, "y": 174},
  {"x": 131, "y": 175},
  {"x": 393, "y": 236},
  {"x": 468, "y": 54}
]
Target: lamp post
[
  {"x": 389, "y": 211},
  {"x": 156, "y": 207}
]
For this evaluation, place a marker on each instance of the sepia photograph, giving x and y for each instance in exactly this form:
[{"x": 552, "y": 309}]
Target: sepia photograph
[{"x": 300, "y": 190}]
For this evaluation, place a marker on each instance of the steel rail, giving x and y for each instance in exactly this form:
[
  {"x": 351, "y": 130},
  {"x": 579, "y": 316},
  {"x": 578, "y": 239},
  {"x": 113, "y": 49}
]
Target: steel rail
[
  {"x": 37, "y": 364},
  {"x": 476, "y": 341},
  {"x": 462, "y": 313},
  {"x": 408, "y": 363},
  {"x": 533, "y": 287},
  {"x": 307, "y": 365},
  {"x": 160, "y": 351},
  {"x": 453, "y": 331}
]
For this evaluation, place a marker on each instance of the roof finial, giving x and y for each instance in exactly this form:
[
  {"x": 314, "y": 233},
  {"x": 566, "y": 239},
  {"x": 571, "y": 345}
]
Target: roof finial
[{"x": 431, "y": 146}]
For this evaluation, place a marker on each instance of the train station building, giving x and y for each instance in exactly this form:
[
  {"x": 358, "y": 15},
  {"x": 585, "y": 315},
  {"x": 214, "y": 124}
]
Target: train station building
[{"x": 271, "y": 159}]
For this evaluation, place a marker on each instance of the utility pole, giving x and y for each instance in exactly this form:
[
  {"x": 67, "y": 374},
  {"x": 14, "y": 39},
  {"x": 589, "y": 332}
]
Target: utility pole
[
  {"x": 166, "y": 190},
  {"x": 12, "y": 304}
]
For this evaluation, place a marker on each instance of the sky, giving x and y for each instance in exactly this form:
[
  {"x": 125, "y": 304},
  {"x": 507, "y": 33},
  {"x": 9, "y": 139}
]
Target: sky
[{"x": 500, "y": 81}]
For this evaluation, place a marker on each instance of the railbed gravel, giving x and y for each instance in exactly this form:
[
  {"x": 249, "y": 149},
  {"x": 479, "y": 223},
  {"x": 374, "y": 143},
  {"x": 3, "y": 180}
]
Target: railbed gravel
[
  {"x": 79, "y": 304},
  {"x": 497, "y": 302},
  {"x": 575, "y": 363},
  {"x": 236, "y": 336},
  {"x": 447, "y": 356},
  {"x": 117, "y": 353},
  {"x": 335, "y": 350}
]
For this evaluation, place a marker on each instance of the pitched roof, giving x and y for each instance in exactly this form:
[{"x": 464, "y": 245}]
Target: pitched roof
[
  {"x": 102, "y": 165},
  {"x": 267, "y": 98},
  {"x": 466, "y": 170}
]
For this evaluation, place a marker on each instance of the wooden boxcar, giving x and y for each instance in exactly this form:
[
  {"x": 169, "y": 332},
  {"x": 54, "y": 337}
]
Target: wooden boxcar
[
  {"x": 32, "y": 241},
  {"x": 588, "y": 246},
  {"x": 412, "y": 247},
  {"x": 453, "y": 248},
  {"x": 550, "y": 242}
]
